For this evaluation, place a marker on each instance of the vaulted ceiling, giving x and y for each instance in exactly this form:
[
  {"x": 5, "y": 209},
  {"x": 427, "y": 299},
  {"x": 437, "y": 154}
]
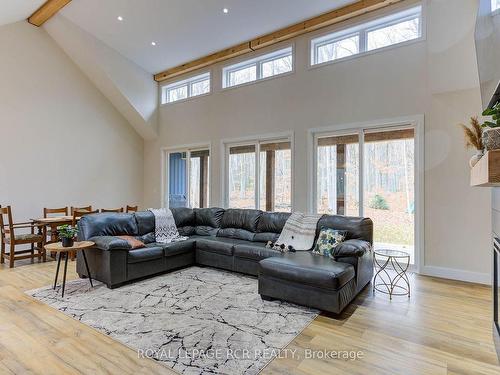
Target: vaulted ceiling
[
  {"x": 184, "y": 30},
  {"x": 16, "y": 10}
]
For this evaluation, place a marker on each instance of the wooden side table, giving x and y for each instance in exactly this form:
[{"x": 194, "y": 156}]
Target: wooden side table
[{"x": 64, "y": 251}]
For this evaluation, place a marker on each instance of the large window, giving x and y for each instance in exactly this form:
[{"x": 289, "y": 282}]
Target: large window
[
  {"x": 259, "y": 175},
  {"x": 187, "y": 178},
  {"x": 396, "y": 28},
  {"x": 370, "y": 173},
  {"x": 265, "y": 66},
  {"x": 194, "y": 86}
]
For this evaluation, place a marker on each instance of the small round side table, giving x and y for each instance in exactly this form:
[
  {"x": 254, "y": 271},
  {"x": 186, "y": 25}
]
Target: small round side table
[
  {"x": 398, "y": 285},
  {"x": 64, "y": 251}
]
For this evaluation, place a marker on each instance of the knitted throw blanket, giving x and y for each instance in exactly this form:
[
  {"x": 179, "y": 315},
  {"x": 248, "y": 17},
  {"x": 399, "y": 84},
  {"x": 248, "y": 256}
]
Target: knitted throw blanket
[
  {"x": 165, "y": 228},
  {"x": 299, "y": 231}
]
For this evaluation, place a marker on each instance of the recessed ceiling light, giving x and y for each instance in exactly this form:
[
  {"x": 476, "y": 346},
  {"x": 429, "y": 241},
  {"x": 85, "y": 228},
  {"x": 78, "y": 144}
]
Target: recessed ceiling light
[
  {"x": 119, "y": 18},
  {"x": 153, "y": 43},
  {"x": 225, "y": 10}
]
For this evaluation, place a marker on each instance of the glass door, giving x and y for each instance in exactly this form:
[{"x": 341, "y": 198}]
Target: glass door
[
  {"x": 338, "y": 175},
  {"x": 188, "y": 178},
  {"x": 389, "y": 188},
  {"x": 370, "y": 173}
]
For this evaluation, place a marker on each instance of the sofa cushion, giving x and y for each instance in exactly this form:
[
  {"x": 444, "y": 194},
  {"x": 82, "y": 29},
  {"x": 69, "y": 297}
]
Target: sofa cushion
[
  {"x": 186, "y": 230},
  {"x": 110, "y": 243},
  {"x": 241, "y": 219},
  {"x": 183, "y": 216},
  {"x": 309, "y": 269},
  {"x": 145, "y": 222},
  {"x": 174, "y": 248},
  {"x": 133, "y": 242},
  {"x": 204, "y": 230},
  {"x": 358, "y": 228},
  {"x": 256, "y": 251},
  {"x": 241, "y": 234},
  {"x": 147, "y": 238},
  {"x": 210, "y": 217},
  {"x": 327, "y": 240},
  {"x": 219, "y": 245},
  {"x": 266, "y": 237},
  {"x": 272, "y": 222},
  {"x": 145, "y": 254},
  {"x": 107, "y": 224}
]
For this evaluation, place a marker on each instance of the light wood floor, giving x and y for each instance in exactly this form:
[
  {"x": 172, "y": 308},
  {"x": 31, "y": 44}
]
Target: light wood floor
[{"x": 444, "y": 328}]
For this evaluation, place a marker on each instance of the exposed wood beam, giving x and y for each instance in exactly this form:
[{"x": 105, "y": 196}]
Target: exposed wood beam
[
  {"x": 327, "y": 19},
  {"x": 226, "y": 54},
  {"x": 46, "y": 11}
]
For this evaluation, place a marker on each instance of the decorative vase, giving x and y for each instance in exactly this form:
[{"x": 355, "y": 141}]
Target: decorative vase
[
  {"x": 476, "y": 157},
  {"x": 491, "y": 138},
  {"x": 67, "y": 242}
]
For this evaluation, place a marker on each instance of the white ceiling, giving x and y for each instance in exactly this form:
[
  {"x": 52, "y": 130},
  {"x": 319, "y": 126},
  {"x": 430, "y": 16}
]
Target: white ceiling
[
  {"x": 185, "y": 29},
  {"x": 17, "y": 10}
]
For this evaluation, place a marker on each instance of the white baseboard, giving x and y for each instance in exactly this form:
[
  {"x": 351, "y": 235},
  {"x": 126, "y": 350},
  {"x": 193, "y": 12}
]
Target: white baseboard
[{"x": 455, "y": 274}]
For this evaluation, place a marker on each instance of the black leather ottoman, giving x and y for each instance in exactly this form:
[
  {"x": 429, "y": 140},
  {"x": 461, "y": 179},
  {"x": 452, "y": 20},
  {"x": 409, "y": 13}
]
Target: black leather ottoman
[{"x": 308, "y": 279}]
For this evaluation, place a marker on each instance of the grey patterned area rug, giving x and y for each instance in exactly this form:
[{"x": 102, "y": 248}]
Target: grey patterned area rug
[{"x": 196, "y": 321}]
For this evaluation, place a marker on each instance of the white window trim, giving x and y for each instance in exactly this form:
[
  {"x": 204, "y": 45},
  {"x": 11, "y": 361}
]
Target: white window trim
[
  {"x": 165, "y": 168},
  {"x": 417, "y": 122},
  {"x": 258, "y": 60},
  {"x": 362, "y": 28},
  {"x": 187, "y": 81},
  {"x": 257, "y": 140}
]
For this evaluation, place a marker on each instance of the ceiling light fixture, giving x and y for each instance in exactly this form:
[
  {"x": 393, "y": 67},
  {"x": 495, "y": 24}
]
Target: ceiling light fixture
[
  {"x": 225, "y": 11},
  {"x": 153, "y": 43},
  {"x": 119, "y": 18}
]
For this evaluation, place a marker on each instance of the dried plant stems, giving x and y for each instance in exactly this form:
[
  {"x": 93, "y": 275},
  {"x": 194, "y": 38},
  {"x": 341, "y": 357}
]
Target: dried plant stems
[{"x": 473, "y": 134}]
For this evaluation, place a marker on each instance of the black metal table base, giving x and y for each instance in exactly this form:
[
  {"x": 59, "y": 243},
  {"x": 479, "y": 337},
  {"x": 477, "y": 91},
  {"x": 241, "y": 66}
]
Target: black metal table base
[
  {"x": 391, "y": 285},
  {"x": 66, "y": 255}
]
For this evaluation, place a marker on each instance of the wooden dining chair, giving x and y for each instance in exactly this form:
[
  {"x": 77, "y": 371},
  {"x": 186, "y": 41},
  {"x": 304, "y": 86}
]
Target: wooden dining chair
[
  {"x": 8, "y": 236},
  {"x": 77, "y": 214},
  {"x": 51, "y": 232},
  {"x": 131, "y": 208},
  {"x": 86, "y": 208},
  {"x": 112, "y": 209},
  {"x": 49, "y": 212}
]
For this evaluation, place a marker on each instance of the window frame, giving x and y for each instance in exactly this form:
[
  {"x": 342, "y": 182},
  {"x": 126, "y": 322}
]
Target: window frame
[
  {"x": 415, "y": 122},
  {"x": 363, "y": 28},
  {"x": 257, "y": 141},
  {"x": 188, "y": 82},
  {"x": 278, "y": 53},
  {"x": 165, "y": 169}
]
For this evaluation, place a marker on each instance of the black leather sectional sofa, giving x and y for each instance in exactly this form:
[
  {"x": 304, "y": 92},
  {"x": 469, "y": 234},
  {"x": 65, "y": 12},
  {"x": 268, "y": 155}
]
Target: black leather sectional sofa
[{"x": 233, "y": 239}]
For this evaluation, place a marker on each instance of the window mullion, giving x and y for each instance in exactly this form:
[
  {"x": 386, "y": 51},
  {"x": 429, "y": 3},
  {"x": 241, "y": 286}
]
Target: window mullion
[
  {"x": 363, "y": 41},
  {"x": 257, "y": 175},
  {"x": 361, "y": 140}
]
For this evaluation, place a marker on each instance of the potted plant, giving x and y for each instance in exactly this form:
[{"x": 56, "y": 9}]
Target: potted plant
[
  {"x": 474, "y": 139},
  {"x": 491, "y": 131},
  {"x": 67, "y": 234}
]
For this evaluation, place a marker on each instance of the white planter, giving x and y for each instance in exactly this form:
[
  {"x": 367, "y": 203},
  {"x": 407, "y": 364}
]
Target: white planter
[
  {"x": 491, "y": 138},
  {"x": 477, "y": 156}
]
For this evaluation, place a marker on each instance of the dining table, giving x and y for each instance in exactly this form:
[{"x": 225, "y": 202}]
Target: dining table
[{"x": 45, "y": 223}]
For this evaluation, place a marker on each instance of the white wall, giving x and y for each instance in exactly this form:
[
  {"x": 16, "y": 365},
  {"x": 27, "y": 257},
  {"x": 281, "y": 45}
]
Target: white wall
[
  {"x": 61, "y": 141},
  {"x": 436, "y": 77},
  {"x": 129, "y": 87}
]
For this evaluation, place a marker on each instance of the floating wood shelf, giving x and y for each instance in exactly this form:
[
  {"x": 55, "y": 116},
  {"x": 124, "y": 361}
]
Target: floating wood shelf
[{"x": 486, "y": 172}]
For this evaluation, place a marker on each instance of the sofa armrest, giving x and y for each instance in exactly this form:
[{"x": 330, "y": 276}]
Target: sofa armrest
[
  {"x": 351, "y": 248},
  {"x": 110, "y": 243}
]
